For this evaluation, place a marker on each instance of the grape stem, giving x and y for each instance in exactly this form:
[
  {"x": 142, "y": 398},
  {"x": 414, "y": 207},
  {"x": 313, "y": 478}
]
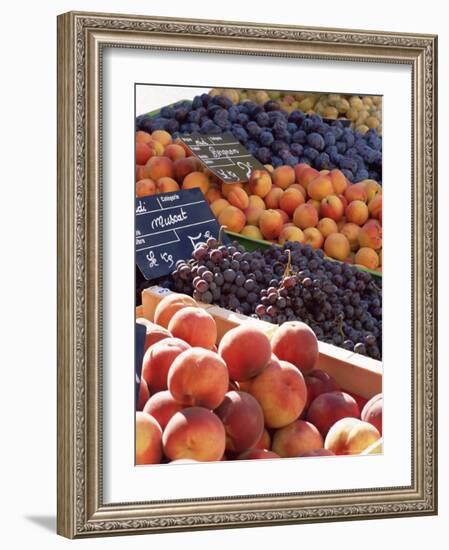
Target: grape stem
[{"x": 288, "y": 268}]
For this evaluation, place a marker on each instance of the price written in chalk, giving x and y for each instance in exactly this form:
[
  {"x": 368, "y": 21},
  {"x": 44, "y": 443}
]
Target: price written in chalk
[
  {"x": 223, "y": 155},
  {"x": 169, "y": 227}
]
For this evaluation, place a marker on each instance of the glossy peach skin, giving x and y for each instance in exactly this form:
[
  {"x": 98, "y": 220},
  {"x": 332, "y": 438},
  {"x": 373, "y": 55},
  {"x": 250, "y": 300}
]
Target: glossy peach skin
[
  {"x": 162, "y": 406},
  {"x": 370, "y": 235},
  {"x": 144, "y": 394},
  {"x": 198, "y": 377},
  {"x": 232, "y": 218},
  {"x": 154, "y": 333},
  {"x": 169, "y": 305},
  {"x": 246, "y": 351},
  {"x": 157, "y": 362},
  {"x": 218, "y": 206},
  {"x": 318, "y": 382},
  {"x": 337, "y": 246},
  {"x": 148, "y": 439},
  {"x": 290, "y": 200},
  {"x": 194, "y": 433},
  {"x": 281, "y": 392},
  {"x": 270, "y": 224},
  {"x": 260, "y": 183},
  {"x": 243, "y": 420},
  {"x": 283, "y": 176},
  {"x": 273, "y": 197},
  {"x": 326, "y": 409},
  {"x": 195, "y": 326},
  {"x": 252, "y": 454},
  {"x": 305, "y": 215},
  {"x": 372, "y": 412},
  {"x": 350, "y": 436},
  {"x": 296, "y": 438},
  {"x": 320, "y": 187},
  {"x": 296, "y": 343},
  {"x": 159, "y": 167},
  {"x": 196, "y": 179}
]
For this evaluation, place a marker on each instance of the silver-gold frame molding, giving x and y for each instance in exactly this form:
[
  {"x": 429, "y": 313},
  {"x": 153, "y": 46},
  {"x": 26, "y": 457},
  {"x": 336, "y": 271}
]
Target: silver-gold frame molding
[{"x": 81, "y": 39}]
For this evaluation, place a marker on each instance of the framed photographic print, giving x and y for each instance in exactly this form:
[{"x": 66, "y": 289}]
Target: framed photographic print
[{"x": 246, "y": 274}]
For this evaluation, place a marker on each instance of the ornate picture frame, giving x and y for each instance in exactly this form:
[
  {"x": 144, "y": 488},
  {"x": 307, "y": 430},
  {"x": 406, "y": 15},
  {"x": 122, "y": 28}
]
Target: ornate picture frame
[{"x": 81, "y": 40}]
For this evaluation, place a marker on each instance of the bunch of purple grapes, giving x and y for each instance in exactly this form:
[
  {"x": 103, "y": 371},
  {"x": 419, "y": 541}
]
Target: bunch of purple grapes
[{"x": 342, "y": 304}]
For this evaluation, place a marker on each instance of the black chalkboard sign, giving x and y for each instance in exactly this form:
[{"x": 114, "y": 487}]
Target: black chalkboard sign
[
  {"x": 139, "y": 346},
  {"x": 168, "y": 227},
  {"x": 223, "y": 155}
]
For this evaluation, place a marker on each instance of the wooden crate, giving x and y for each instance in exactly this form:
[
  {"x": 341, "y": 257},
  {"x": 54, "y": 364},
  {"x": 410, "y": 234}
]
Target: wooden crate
[{"x": 352, "y": 372}]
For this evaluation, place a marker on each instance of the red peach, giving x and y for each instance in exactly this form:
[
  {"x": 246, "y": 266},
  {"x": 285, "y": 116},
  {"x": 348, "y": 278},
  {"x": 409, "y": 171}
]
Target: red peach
[
  {"x": 159, "y": 167},
  {"x": 331, "y": 207},
  {"x": 318, "y": 452},
  {"x": 270, "y": 224},
  {"x": 194, "y": 433},
  {"x": 157, "y": 361},
  {"x": 296, "y": 438},
  {"x": 143, "y": 152},
  {"x": 166, "y": 185},
  {"x": 184, "y": 166},
  {"x": 169, "y": 305},
  {"x": 145, "y": 187},
  {"x": 273, "y": 198},
  {"x": 174, "y": 152},
  {"x": 195, "y": 326},
  {"x": 371, "y": 235},
  {"x": 264, "y": 441},
  {"x": 305, "y": 216},
  {"x": 296, "y": 343},
  {"x": 238, "y": 198},
  {"x": 257, "y": 454},
  {"x": 327, "y": 408},
  {"x": 144, "y": 394},
  {"x": 290, "y": 200},
  {"x": 318, "y": 382},
  {"x": 372, "y": 412},
  {"x": 243, "y": 420},
  {"x": 246, "y": 351},
  {"x": 162, "y": 406},
  {"x": 148, "y": 439}
]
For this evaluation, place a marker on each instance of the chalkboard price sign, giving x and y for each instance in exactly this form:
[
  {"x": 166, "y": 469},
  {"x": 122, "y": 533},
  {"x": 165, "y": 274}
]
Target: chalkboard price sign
[
  {"x": 168, "y": 227},
  {"x": 223, "y": 155}
]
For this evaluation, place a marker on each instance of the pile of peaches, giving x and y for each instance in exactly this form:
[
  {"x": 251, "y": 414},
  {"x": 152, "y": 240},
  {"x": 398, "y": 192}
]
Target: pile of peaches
[
  {"x": 249, "y": 398},
  {"x": 280, "y": 204}
]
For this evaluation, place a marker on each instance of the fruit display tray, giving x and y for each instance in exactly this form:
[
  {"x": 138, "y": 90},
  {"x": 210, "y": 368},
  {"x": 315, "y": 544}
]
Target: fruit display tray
[{"x": 353, "y": 372}]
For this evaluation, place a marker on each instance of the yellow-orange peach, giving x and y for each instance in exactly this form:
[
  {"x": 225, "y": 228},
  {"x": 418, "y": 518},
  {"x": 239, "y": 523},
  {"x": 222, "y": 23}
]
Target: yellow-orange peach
[
  {"x": 315, "y": 204},
  {"x": 372, "y": 188},
  {"x": 326, "y": 409},
  {"x": 305, "y": 216},
  {"x": 357, "y": 212},
  {"x": 162, "y": 136},
  {"x": 285, "y": 217},
  {"x": 213, "y": 194},
  {"x": 194, "y": 433},
  {"x": 313, "y": 237},
  {"x": 233, "y": 218},
  {"x": 290, "y": 200},
  {"x": 184, "y": 166},
  {"x": 145, "y": 188},
  {"x": 339, "y": 181},
  {"x": 371, "y": 235},
  {"x": 351, "y": 232},
  {"x": 142, "y": 137},
  {"x": 344, "y": 201},
  {"x": 226, "y": 188},
  {"x": 372, "y": 412},
  {"x": 299, "y": 188},
  {"x": 246, "y": 350},
  {"x": 367, "y": 257},
  {"x": 283, "y": 176},
  {"x": 252, "y": 214},
  {"x": 296, "y": 438},
  {"x": 327, "y": 226},
  {"x": 148, "y": 439},
  {"x": 306, "y": 176},
  {"x": 270, "y": 224},
  {"x": 198, "y": 377},
  {"x": 291, "y": 233},
  {"x": 195, "y": 326},
  {"x": 252, "y": 231},
  {"x": 243, "y": 420},
  {"x": 254, "y": 201},
  {"x": 260, "y": 183},
  {"x": 273, "y": 197},
  {"x": 166, "y": 185},
  {"x": 140, "y": 175},
  {"x": 157, "y": 361},
  {"x": 341, "y": 223},
  {"x": 156, "y": 147},
  {"x": 299, "y": 169},
  {"x": 318, "y": 382},
  {"x": 269, "y": 167},
  {"x": 331, "y": 207},
  {"x": 350, "y": 436},
  {"x": 337, "y": 246},
  {"x": 144, "y": 394},
  {"x": 238, "y": 198},
  {"x": 196, "y": 179},
  {"x": 179, "y": 141},
  {"x": 169, "y": 305},
  {"x": 252, "y": 454},
  {"x": 320, "y": 187},
  {"x": 356, "y": 192},
  {"x": 143, "y": 152},
  {"x": 159, "y": 167},
  {"x": 296, "y": 343},
  {"x": 375, "y": 206},
  {"x": 154, "y": 333},
  {"x": 281, "y": 392},
  {"x": 264, "y": 441},
  {"x": 218, "y": 206},
  {"x": 162, "y": 406},
  {"x": 174, "y": 152}
]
